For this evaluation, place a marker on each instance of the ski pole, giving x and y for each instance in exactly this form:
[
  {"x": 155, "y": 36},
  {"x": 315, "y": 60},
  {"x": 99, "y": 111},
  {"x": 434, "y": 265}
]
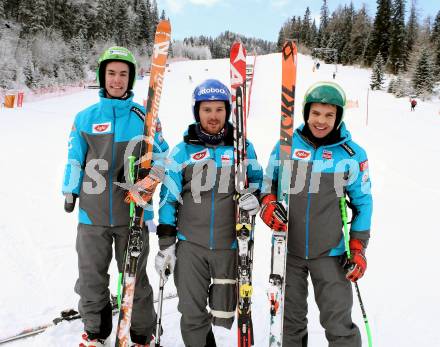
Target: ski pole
[
  {"x": 343, "y": 208},
  {"x": 159, "y": 309}
]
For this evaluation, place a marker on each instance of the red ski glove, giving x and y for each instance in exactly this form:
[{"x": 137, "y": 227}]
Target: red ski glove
[
  {"x": 273, "y": 213},
  {"x": 357, "y": 265}
]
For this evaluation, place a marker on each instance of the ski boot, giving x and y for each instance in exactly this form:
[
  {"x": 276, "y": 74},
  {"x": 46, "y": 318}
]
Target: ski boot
[{"x": 87, "y": 341}]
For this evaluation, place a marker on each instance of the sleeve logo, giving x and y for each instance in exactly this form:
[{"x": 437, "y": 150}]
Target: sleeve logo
[{"x": 363, "y": 166}]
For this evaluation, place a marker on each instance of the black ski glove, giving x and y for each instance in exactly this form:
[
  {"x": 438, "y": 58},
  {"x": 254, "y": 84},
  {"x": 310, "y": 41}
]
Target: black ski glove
[{"x": 69, "y": 202}]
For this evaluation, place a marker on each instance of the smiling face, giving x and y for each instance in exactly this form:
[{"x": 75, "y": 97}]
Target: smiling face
[
  {"x": 322, "y": 118},
  {"x": 116, "y": 79},
  {"x": 212, "y": 116}
]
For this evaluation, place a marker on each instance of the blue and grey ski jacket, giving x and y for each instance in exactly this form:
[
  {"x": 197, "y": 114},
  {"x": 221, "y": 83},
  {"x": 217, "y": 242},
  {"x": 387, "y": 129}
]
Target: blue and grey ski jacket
[
  {"x": 102, "y": 138},
  {"x": 197, "y": 195},
  {"x": 319, "y": 177}
]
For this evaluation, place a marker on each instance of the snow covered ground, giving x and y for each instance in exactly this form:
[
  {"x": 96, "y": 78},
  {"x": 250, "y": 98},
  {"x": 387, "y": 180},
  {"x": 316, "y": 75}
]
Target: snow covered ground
[{"x": 37, "y": 248}]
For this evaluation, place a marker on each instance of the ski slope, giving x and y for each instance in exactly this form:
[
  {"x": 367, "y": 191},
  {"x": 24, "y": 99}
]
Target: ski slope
[{"x": 37, "y": 248}]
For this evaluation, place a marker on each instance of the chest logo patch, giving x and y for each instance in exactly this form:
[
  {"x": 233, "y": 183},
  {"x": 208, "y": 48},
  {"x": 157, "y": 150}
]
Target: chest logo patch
[
  {"x": 200, "y": 155},
  {"x": 301, "y": 154},
  {"x": 101, "y": 128}
]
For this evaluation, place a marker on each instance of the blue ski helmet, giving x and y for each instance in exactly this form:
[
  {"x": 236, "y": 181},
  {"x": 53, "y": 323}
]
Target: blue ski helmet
[{"x": 210, "y": 90}]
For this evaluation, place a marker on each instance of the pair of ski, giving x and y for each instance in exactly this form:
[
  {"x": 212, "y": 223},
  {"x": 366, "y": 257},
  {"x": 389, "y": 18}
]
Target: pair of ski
[
  {"x": 67, "y": 315},
  {"x": 135, "y": 246},
  {"x": 244, "y": 223}
]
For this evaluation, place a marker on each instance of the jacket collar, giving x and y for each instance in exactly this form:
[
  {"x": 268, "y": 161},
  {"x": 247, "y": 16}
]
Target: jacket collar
[
  {"x": 344, "y": 137},
  {"x": 190, "y": 136},
  {"x": 122, "y": 107}
]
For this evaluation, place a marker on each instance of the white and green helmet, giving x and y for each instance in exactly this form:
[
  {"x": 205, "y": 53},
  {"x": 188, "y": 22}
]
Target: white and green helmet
[
  {"x": 325, "y": 93},
  {"x": 116, "y": 53}
]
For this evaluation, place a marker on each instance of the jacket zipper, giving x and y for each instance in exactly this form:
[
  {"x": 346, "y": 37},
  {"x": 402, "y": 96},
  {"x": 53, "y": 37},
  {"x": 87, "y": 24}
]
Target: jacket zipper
[
  {"x": 308, "y": 206},
  {"x": 211, "y": 224},
  {"x": 111, "y": 170}
]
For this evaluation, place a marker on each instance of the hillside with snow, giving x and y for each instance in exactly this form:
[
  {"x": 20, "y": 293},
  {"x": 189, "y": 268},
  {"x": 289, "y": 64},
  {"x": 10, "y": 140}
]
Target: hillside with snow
[{"x": 37, "y": 248}]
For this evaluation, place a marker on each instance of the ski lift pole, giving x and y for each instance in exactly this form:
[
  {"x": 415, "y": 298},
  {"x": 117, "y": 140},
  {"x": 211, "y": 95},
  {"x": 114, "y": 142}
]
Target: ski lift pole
[{"x": 343, "y": 208}]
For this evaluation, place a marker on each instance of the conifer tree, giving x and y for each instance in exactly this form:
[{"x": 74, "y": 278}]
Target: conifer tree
[
  {"x": 412, "y": 30},
  {"x": 38, "y": 17},
  {"x": 323, "y": 34},
  {"x": 2, "y": 10},
  {"x": 423, "y": 80},
  {"x": 306, "y": 31},
  {"x": 359, "y": 34},
  {"x": 281, "y": 39},
  {"x": 381, "y": 34},
  {"x": 435, "y": 33},
  {"x": 397, "y": 60},
  {"x": 154, "y": 18},
  {"x": 377, "y": 76},
  {"x": 122, "y": 34},
  {"x": 435, "y": 40},
  {"x": 346, "y": 53}
]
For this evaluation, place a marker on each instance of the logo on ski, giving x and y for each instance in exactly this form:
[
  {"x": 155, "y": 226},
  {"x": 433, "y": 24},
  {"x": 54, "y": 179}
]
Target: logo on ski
[
  {"x": 161, "y": 48},
  {"x": 102, "y": 128},
  {"x": 301, "y": 154}
]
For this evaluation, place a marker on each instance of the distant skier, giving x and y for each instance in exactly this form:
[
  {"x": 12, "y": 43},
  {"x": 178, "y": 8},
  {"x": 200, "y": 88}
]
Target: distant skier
[
  {"x": 326, "y": 165},
  {"x": 97, "y": 161},
  {"x": 318, "y": 64},
  {"x": 334, "y": 75},
  {"x": 200, "y": 213},
  {"x": 413, "y": 104}
]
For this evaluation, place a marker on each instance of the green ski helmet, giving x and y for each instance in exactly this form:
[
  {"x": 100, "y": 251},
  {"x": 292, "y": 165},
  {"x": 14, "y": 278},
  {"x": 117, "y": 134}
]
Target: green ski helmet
[
  {"x": 116, "y": 53},
  {"x": 325, "y": 93}
]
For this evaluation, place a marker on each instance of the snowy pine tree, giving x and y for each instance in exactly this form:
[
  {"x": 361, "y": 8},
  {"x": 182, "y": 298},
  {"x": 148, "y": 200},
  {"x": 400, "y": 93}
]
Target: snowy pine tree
[
  {"x": 281, "y": 39},
  {"x": 380, "y": 36},
  {"x": 104, "y": 28},
  {"x": 412, "y": 31},
  {"x": 391, "y": 86},
  {"x": 2, "y": 10},
  {"x": 435, "y": 39},
  {"x": 359, "y": 34},
  {"x": 323, "y": 34},
  {"x": 423, "y": 77},
  {"x": 401, "y": 87},
  {"x": 397, "y": 58},
  {"x": 377, "y": 76},
  {"x": 306, "y": 30},
  {"x": 122, "y": 33}
]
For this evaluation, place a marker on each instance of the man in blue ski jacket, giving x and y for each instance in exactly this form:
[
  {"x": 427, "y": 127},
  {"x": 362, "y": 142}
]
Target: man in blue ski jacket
[
  {"x": 102, "y": 138},
  {"x": 198, "y": 208},
  {"x": 326, "y": 165}
]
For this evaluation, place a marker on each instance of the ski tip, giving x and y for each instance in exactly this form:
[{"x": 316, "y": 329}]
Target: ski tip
[{"x": 164, "y": 26}]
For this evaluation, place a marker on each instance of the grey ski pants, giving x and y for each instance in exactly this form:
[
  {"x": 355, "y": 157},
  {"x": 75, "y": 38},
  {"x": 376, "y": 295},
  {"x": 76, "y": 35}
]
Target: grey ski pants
[
  {"x": 333, "y": 295},
  {"x": 195, "y": 267},
  {"x": 94, "y": 248}
]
